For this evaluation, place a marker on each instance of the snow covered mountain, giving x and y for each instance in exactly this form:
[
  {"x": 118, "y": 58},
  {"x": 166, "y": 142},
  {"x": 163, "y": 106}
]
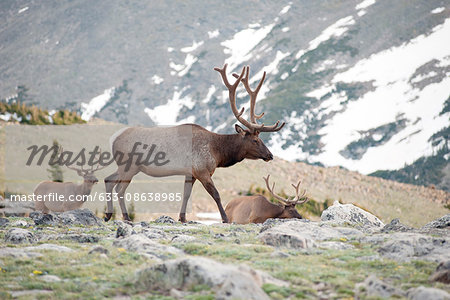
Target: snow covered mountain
[{"x": 361, "y": 84}]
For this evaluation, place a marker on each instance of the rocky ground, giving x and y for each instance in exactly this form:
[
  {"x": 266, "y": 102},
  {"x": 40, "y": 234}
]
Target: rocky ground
[{"x": 349, "y": 254}]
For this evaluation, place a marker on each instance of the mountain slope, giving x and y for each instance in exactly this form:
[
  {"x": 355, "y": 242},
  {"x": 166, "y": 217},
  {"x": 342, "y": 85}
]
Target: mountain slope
[{"x": 362, "y": 84}]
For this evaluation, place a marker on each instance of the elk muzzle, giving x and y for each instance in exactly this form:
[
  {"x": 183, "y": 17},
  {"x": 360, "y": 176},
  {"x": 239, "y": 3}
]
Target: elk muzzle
[{"x": 268, "y": 157}]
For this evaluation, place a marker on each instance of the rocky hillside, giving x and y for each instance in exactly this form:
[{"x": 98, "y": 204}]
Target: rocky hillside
[
  {"x": 362, "y": 84},
  {"x": 351, "y": 254}
]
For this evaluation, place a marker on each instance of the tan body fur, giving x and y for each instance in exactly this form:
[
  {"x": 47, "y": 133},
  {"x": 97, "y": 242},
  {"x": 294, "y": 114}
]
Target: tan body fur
[
  {"x": 60, "y": 188},
  {"x": 257, "y": 209}
]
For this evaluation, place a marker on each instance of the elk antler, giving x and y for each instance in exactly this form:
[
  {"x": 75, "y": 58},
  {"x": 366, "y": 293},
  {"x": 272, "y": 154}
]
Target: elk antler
[
  {"x": 81, "y": 170},
  {"x": 85, "y": 171},
  {"x": 298, "y": 199},
  {"x": 92, "y": 170},
  {"x": 252, "y": 125}
]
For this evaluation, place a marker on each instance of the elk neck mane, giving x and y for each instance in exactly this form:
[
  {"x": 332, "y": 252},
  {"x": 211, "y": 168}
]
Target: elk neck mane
[{"x": 227, "y": 149}]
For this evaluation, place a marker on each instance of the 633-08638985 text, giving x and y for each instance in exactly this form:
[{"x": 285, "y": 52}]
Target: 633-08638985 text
[{"x": 144, "y": 197}]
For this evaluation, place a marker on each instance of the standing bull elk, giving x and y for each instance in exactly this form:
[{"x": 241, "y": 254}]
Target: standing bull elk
[
  {"x": 191, "y": 150},
  {"x": 72, "y": 195},
  {"x": 257, "y": 209}
]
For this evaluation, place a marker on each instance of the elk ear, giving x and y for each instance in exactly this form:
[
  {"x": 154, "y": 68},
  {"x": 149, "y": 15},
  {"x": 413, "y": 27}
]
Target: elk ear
[{"x": 239, "y": 129}]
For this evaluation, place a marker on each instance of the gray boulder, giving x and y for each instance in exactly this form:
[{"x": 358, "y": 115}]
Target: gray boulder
[
  {"x": 183, "y": 238},
  {"x": 44, "y": 219},
  {"x": 424, "y": 293},
  {"x": 269, "y": 223},
  {"x": 123, "y": 230},
  {"x": 48, "y": 247},
  {"x": 165, "y": 220},
  {"x": 72, "y": 217},
  {"x": 440, "y": 223},
  {"x": 80, "y": 238},
  {"x": 154, "y": 234},
  {"x": 75, "y": 237},
  {"x": 143, "y": 245},
  {"x": 3, "y": 222},
  {"x": 352, "y": 215},
  {"x": 336, "y": 245},
  {"x": 227, "y": 281},
  {"x": 19, "y": 236},
  {"x": 396, "y": 226},
  {"x": 404, "y": 246},
  {"x": 299, "y": 234},
  {"x": 15, "y": 208},
  {"x": 50, "y": 278},
  {"x": 79, "y": 217},
  {"x": 19, "y": 223},
  {"x": 442, "y": 273},
  {"x": 18, "y": 253},
  {"x": 374, "y": 287},
  {"x": 98, "y": 249}
]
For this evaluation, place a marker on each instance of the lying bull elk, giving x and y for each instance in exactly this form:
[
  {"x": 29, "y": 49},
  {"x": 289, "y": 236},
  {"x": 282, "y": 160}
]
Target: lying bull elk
[
  {"x": 193, "y": 151},
  {"x": 73, "y": 195},
  {"x": 257, "y": 209}
]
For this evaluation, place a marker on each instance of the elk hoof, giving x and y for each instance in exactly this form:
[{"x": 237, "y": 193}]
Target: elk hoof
[
  {"x": 126, "y": 218},
  {"x": 182, "y": 218},
  {"x": 108, "y": 217}
]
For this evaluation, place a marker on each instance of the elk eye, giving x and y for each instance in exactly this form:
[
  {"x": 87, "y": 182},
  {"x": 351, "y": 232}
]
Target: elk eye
[{"x": 255, "y": 141}]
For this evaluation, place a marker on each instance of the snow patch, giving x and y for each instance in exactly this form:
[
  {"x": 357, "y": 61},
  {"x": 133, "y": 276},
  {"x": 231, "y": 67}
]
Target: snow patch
[
  {"x": 221, "y": 126},
  {"x": 183, "y": 69},
  {"x": 325, "y": 64},
  {"x": 285, "y": 29},
  {"x": 335, "y": 30},
  {"x": 5, "y": 116},
  {"x": 23, "y": 9},
  {"x": 423, "y": 76},
  {"x": 240, "y": 46},
  {"x": 365, "y": 4},
  {"x": 170, "y": 49},
  {"x": 278, "y": 140},
  {"x": 377, "y": 137},
  {"x": 320, "y": 92},
  {"x": 194, "y": 46},
  {"x": 361, "y": 13},
  {"x": 157, "y": 80},
  {"x": 213, "y": 34},
  {"x": 50, "y": 115},
  {"x": 438, "y": 10},
  {"x": 285, "y": 9},
  {"x": 211, "y": 91},
  {"x": 167, "y": 114},
  {"x": 88, "y": 110}
]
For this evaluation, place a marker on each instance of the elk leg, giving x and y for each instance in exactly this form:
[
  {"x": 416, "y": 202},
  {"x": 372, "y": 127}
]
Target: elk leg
[
  {"x": 120, "y": 194},
  {"x": 110, "y": 182},
  {"x": 188, "y": 183},
  {"x": 208, "y": 184}
]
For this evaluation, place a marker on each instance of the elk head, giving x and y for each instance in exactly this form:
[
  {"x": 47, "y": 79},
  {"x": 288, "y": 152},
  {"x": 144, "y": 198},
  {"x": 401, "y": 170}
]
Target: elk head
[
  {"x": 251, "y": 142},
  {"x": 88, "y": 174},
  {"x": 288, "y": 204}
]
